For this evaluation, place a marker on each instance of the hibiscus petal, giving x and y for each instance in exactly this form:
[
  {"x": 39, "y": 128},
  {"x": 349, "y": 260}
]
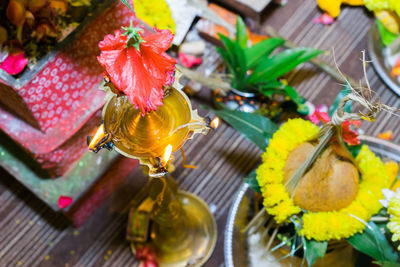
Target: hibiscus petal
[
  {"x": 160, "y": 40},
  {"x": 139, "y": 74}
]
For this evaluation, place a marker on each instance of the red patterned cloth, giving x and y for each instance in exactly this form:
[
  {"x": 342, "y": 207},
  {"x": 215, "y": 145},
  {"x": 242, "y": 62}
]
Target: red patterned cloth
[{"x": 64, "y": 97}]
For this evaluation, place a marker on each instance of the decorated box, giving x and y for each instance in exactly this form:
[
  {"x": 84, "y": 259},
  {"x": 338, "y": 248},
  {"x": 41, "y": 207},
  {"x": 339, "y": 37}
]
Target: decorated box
[{"x": 63, "y": 98}]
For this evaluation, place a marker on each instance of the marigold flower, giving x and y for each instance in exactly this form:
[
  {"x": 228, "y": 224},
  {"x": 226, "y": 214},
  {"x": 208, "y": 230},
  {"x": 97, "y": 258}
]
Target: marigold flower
[{"x": 138, "y": 65}]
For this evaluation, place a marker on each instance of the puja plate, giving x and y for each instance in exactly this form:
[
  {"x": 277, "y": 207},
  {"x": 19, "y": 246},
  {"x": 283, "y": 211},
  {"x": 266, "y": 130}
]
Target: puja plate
[
  {"x": 375, "y": 50},
  {"x": 236, "y": 249}
]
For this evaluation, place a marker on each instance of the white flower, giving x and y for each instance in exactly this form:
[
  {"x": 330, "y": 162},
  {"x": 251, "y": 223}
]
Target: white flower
[{"x": 388, "y": 196}]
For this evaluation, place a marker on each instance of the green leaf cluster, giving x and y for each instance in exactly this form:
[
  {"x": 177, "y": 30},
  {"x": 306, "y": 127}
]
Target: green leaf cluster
[
  {"x": 255, "y": 69},
  {"x": 373, "y": 243}
]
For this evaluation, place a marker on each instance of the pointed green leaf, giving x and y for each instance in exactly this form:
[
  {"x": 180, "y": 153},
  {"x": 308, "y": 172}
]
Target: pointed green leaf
[
  {"x": 281, "y": 63},
  {"x": 127, "y": 4},
  {"x": 237, "y": 58},
  {"x": 226, "y": 57},
  {"x": 271, "y": 87},
  {"x": 374, "y": 243},
  {"x": 261, "y": 51},
  {"x": 292, "y": 93},
  {"x": 256, "y": 128},
  {"x": 252, "y": 181},
  {"x": 314, "y": 249},
  {"x": 387, "y": 37},
  {"x": 241, "y": 33},
  {"x": 345, "y": 91},
  {"x": 387, "y": 264}
]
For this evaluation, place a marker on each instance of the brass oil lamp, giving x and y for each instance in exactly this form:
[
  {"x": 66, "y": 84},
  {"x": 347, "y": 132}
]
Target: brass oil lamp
[{"x": 177, "y": 225}]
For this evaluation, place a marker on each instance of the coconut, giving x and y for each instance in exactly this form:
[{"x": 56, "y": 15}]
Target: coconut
[{"x": 330, "y": 184}]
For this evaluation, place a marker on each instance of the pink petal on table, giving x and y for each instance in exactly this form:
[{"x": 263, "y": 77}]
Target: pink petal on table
[
  {"x": 189, "y": 61},
  {"x": 64, "y": 201},
  {"x": 324, "y": 19},
  {"x": 14, "y": 64}
]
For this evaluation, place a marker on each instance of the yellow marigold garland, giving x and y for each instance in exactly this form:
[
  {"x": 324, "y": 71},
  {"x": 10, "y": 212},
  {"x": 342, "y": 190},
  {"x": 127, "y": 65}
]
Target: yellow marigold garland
[
  {"x": 270, "y": 174},
  {"x": 156, "y": 13},
  {"x": 320, "y": 226}
]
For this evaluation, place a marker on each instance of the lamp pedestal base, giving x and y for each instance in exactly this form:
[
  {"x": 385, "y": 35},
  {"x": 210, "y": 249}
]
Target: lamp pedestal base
[{"x": 191, "y": 237}]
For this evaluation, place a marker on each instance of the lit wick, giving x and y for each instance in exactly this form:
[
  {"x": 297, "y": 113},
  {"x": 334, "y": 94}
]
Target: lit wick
[
  {"x": 167, "y": 155},
  {"x": 159, "y": 164},
  {"x": 100, "y": 139},
  {"x": 214, "y": 123}
]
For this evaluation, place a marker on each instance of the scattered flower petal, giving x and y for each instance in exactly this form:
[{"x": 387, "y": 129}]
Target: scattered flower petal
[
  {"x": 189, "y": 61},
  {"x": 64, "y": 201},
  {"x": 146, "y": 256},
  {"x": 324, "y": 19},
  {"x": 387, "y": 135},
  {"x": 396, "y": 68},
  {"x": 14, "y": 63},
  {"x": 316, "y": 114}
]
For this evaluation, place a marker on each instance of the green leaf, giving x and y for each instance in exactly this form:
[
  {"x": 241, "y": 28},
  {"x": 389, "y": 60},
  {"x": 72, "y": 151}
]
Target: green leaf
[
  {"x": 226, "y": 57},
  {"x": 241, "y": 33},
  {"x": 127, "y": 4},
  {"x": 354, "y": 150},
  {"x": 387, "y": 264},
  {"x": 387, "y": 37},
  {"x": 314, "y": 249},
  {"x": 252, "y": 181},
  {"x": 256, "y": 128},
  {"x": 261, "y": 51},
  {"x": 374, "y": 243},
  {"x": 292, "y": 93},
  {"x": 281, "y": 63},
  {"x": 235, "y": 55},
  {"x": 277, "y": 87},
  {"x": 271, "y": 87},
  {"x": 345, "y": 91}
]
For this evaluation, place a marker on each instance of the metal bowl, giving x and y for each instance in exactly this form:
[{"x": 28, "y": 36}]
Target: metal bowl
[
  {"x": 375, "y": 51},
  {"x": 235, "y": 247}
]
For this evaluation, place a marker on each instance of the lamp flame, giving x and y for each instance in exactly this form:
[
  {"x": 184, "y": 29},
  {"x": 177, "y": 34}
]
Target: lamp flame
[
  {"x": 97, "y": 137},
  {"x": 167, "y": 155},
  {"x": 215, "y": 122}
]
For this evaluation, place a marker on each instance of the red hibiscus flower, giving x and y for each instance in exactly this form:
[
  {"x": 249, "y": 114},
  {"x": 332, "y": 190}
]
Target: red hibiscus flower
[{"x": 138, "y": 66}]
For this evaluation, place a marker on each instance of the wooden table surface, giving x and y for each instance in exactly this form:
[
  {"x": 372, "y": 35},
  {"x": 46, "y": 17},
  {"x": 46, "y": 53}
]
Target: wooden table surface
[{"x": 33, "y": 235}]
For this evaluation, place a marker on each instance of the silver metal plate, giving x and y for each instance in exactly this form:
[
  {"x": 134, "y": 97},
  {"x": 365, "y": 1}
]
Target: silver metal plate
[
  {"x": 235, "y": 245},
  {"x": 375, "y": 48}
]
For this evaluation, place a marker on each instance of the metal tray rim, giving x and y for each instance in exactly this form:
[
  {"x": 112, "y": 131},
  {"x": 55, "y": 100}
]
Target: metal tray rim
[{"x": 229, "y": 228}]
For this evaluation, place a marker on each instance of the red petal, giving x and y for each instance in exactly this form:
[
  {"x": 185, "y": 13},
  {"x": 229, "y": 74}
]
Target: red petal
[
  {"x": 189, "y": 61},
  {"x": 350, "y": 136},
  {"x": 14, "y": 64},
  {"x": 64, "y": 201},
  {"x": 160, "y": 40},
  {"x": 323, "y": 116}
]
